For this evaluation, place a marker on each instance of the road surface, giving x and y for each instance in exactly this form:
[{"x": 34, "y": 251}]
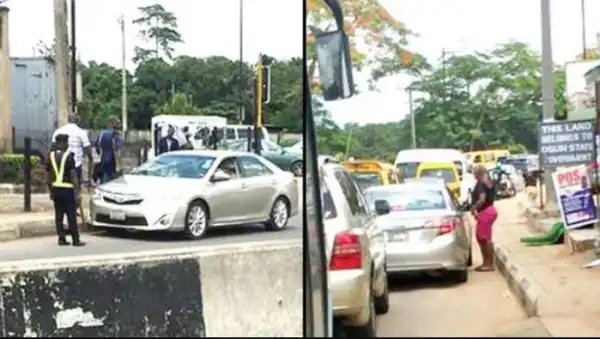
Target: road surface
[
  {"x": 433, "y": 306},
  {"x": 100, "y": 243}
]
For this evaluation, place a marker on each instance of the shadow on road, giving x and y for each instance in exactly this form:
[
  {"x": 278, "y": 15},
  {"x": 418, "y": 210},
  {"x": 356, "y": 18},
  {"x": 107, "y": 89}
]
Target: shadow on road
[
  {"x": 415, "y": 281},
  {"x": 158, "y": 236}
]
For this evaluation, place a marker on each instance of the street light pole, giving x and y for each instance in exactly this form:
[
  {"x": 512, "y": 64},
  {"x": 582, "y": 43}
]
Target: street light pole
[
  {"x": 73, "y": 61},
  {"x": 583, "y": 40},
  {"x": 242, "y": 115},
  {"x": 413, "y": 127},
  {"x": 124, "y": 116},
  {"x": 548, "y": 103}
]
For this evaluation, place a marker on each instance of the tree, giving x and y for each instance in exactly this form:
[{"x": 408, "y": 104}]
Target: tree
[
  {"x": 487, "y": 99},
  {"x": 159, "y": 27},
  {"x": 179, "y": 105},
  {"x": 590, "y": 54},
  {"x": 368, "y": 24}
]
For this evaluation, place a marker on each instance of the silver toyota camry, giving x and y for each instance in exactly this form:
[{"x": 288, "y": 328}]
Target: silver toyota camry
[{"x": 190, "y": 191}]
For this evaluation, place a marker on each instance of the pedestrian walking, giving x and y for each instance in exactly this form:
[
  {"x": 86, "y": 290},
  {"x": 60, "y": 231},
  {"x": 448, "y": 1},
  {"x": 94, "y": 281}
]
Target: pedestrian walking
[
  {"x": 485, "y": 214},
  {"x": 108, "y": 145},
  {"x": 64, "y": 186},
  {"x": 79, "y": 146}
]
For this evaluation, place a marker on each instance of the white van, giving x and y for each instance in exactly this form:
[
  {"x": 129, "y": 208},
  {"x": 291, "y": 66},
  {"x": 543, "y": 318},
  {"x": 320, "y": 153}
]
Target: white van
[
  {"x": 409, "y": 160},
  {"x": 240, "y": 132}
]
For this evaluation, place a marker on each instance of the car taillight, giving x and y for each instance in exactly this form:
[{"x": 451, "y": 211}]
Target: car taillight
[
  {"x": 593, "y": 164},
  {"x": 448, "y": 225},
  {"x": 347, "y": 253}
]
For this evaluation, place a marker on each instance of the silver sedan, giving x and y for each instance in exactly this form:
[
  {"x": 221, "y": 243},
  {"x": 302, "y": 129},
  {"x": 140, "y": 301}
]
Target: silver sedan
[
  {"x": 190, "y": 191},
  {"x": 425, "y": 228}
]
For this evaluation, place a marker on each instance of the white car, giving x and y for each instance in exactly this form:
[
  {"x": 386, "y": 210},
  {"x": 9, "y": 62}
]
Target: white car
[{"x": 355, "y": 248}]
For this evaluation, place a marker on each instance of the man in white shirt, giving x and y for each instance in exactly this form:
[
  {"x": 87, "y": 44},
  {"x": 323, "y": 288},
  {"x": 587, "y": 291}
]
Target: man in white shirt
[{"x": 79, "y": 143}]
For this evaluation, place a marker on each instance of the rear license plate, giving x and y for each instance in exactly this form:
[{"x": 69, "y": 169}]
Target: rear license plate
[
  {"x": 117, "y": 216},
  {"x": 402, "y": 236}
]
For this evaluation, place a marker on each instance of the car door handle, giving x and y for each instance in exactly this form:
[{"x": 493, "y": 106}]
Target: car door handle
[
  {"x": 244, "y": 186},
  {"x": 274, "y": 182}
]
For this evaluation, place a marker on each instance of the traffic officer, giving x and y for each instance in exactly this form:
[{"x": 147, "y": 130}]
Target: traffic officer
[{"x": 63, "y": 184}]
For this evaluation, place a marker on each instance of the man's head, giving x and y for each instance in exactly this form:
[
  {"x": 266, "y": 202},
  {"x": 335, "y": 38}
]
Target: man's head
[
  {"x": 480, "y": 172},
  {"x": 73, "y": 119},
  {"x": 114, "y": 122},
  {"x": 170, "y": 131},
  {"x": 62, "y": 142}
]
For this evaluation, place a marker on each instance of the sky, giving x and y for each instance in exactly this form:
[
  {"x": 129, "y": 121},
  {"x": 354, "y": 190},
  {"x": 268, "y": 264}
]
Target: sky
[
  {"x": 462, "y": 26},
  {"x": 208, "y": 27}
]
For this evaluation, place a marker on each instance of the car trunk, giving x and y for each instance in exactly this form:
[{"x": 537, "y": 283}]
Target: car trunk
[{"x": 413, "y": 227}]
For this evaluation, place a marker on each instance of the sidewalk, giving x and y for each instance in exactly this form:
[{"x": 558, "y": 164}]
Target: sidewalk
[{"x": 548, "y": 279}]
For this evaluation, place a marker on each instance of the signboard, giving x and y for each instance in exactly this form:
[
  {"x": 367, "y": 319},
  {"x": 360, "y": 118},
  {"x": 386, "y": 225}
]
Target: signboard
[
  {"x": 575, "y": 199},
  {"x": 566, "y": 143}
]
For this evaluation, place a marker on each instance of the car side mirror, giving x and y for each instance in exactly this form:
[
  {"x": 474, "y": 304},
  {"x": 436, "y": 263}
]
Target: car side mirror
[
  {"x": 382, "y": 207},
  {"x": 220, "y": 176},
  {"x": 335, "y": 67}
]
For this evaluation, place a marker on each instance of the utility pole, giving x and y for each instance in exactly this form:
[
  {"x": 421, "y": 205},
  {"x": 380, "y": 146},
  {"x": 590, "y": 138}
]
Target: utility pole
[
  {"x": 548, "y": 103},
  {"x": 123, "y": 76},
  {"x": 5, "y": 85},
  {"x": 242, "y": 115},
  {"x": 73, "y": 73},
  {"x": 444, "y": 72},
  {"x": 60, "y": 59},
  {"x": 583, "y": 40},
  {"x": 413, "y": 127}
]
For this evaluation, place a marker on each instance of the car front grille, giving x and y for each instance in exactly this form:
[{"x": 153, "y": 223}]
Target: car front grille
[
  {"x": 129, "y": 221},
  {"x": 127, "y": 202}
]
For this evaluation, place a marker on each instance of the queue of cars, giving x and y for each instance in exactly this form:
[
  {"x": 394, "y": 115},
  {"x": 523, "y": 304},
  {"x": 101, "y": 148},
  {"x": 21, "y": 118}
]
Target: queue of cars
[
  {"x": 388, "y": 224},
  {"x": 380, "y": 219}
]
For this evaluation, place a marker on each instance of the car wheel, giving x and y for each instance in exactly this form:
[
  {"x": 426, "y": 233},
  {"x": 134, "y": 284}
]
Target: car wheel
[
  {"x": 297, "y": 169},
  {"x": 196, "y": 220},
  {"x": 368, "y": 330},
  {"x": 460, "y": 276},
  {"x": 279, "y": 216},
  {"x": 382, "y": 303}
]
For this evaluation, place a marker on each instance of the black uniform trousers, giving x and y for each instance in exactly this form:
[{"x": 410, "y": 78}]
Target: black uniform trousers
[{"x": 65, "y": 203}]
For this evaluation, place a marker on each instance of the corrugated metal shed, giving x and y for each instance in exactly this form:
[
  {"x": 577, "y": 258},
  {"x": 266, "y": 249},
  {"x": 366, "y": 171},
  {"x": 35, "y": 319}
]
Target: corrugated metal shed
[{"x": 34, "y": 104}]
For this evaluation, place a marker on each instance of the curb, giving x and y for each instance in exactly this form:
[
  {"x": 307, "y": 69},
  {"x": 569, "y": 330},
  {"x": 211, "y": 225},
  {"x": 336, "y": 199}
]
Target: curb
[
  {"x": 30, "y": 229},
  {"x": 519, "y": 282}
]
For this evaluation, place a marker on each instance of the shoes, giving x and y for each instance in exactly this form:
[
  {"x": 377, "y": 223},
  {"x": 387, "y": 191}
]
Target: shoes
[
  {"x": 78, "y": 243},
  {"x": 63, "y": 242}
]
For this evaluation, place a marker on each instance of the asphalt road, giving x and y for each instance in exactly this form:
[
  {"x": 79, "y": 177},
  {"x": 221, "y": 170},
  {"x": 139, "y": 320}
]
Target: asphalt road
[
  {"x": 425, "y": 306},
  {"x": 100, "y": 243}
]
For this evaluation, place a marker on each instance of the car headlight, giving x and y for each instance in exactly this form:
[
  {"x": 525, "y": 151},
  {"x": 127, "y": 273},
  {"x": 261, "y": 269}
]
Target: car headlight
[{"x": 97, "y": 194}]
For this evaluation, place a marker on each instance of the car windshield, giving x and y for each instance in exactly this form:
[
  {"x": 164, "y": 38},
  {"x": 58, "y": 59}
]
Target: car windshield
[
  {"x": 408, "y": 200},
  {"x": 176, "y": 166},
  {"x": 443, "y": 173},
  {"x": 408, "y": 169},
  {"x": 366, "y": 180},
  {"x": 519, "y": 164}
]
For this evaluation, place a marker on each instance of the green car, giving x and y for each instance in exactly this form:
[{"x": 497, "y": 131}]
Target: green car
[{"x": 284, "y": 159}]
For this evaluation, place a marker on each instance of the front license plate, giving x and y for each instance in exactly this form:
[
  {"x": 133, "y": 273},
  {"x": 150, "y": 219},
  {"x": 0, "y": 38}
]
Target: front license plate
[{"x": 117, "y": 216}]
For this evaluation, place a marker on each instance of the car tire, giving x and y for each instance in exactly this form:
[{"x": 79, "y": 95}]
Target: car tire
[
  {"x": 297, "y": 169},
  {"x": 368, "y": 330},
  {"x": 460, "y": 276},
  {"x": 196, "y": 220},
  {"x": 279, "y": 216},
  {"x": 382, "y": 303}
]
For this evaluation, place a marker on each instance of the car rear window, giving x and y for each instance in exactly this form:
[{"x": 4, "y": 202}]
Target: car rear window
[
  {"x": 366, "y": 180},
  {"x": 443, "y": 173},
  {"x": 408, "y": 169},
  {"x": 329, "y": 211},
  {"x": 408, "y": 200}
]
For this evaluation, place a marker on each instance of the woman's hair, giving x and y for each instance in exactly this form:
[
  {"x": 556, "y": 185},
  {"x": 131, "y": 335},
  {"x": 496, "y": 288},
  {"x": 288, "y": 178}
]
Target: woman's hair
[{"x": 480, "y": 171}]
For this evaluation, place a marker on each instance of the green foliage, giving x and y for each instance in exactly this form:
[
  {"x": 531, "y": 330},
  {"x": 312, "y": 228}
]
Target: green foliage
[
  {"x": 488, "y": 99},
  {"x": 165, "y": 84},
  {"x": 11, "y": 170}
]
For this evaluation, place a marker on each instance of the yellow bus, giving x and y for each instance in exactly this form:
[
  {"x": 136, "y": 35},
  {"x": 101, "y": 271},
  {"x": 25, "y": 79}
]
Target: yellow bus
[
  {"x": 443, "y": 170},
  {"x": 367, "y": 173}
]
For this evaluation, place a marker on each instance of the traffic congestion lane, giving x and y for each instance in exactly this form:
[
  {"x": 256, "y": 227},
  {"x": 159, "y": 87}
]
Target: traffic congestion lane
[
  {"x": 433, "y": 306},
  {"x": 103, "y": 243}
]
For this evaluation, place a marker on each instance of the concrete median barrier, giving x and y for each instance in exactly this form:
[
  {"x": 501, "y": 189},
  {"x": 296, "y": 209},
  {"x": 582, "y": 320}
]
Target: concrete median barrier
[{"x": 251, "y": 289}]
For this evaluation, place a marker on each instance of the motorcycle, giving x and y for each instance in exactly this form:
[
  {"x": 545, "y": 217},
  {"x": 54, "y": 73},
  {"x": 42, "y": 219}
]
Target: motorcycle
[{"x": 503, "y": 185}]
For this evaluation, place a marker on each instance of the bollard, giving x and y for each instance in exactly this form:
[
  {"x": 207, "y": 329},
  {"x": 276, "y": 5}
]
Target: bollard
[
  {"x": 145, "y": 153},
  {"x": 140, "y": 156},
  {"x": 27, "y": 175}
]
